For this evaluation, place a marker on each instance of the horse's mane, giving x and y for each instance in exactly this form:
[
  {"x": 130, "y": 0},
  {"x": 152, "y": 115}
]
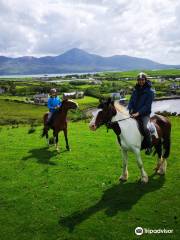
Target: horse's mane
[
  {"x": 68, "y": 100},
  {"x": 120, "y": 108}
]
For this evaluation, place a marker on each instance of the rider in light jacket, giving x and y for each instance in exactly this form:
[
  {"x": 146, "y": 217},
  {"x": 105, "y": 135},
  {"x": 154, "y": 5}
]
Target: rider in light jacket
[{"x": 140, "y": 106}]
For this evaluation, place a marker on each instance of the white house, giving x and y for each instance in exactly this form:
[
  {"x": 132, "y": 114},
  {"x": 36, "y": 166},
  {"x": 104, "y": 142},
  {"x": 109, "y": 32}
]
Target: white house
[
  {"x": 41, "y": 98},
  {"x": 2, "y": 90},
  {"x": 73, "y": 95}
]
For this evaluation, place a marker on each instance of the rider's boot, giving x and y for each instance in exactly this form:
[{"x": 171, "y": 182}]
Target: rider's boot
[{"x": 149, "y": 144}]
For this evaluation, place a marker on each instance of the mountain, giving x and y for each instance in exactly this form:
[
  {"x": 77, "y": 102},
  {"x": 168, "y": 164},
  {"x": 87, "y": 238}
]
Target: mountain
[{"x": 76, "y": 60}]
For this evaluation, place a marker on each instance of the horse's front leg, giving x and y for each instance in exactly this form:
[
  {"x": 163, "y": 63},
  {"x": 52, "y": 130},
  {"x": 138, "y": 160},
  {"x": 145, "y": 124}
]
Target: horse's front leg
[
  {"x": 45, "y": 133},
  {"x": 144, "y": 176},
  {"x": 124, "y": 176},
  {"x": 56, "y": 141},
  {"x": 66, "y": 139}
]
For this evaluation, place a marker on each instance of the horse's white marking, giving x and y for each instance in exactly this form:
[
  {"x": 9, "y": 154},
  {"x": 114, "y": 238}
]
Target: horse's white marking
[
  {"x": 92, "y": 122},
  {"x": 95, "y": 113},
  {"x": 124, "y": 176},
  {"x": 152, "y": 129},
  {"x": 130, "y": 140},
  {"x": 162, "y": 166}
]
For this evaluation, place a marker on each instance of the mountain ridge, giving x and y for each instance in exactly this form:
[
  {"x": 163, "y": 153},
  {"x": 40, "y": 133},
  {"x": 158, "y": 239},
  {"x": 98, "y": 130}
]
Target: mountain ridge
[{"x": 76, "y": 60}]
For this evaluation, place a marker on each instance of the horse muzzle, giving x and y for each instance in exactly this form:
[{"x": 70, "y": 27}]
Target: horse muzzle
[{"x": 93, "y": 127}]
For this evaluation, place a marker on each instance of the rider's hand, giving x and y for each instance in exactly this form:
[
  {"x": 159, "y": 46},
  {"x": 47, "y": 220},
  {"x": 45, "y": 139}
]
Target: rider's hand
[{"x": 134, "y": 115}]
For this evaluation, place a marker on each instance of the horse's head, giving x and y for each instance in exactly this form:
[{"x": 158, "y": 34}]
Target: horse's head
[
  {"x": 103, "y": 115},
  {"x": 69, "y": 104}
]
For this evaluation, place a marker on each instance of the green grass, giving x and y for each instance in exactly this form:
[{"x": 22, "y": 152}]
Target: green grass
[
  {"x": 87, "y": 102},
  {"x": 20, "y": 112},
  {"x": 76, "y": 195},
  {"x": 167, "y": 72},
  {"x": 9, "y": 97}
]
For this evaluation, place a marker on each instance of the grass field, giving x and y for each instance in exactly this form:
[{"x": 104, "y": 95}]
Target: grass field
[
  {"x": 20, "y": 112},
  {"x": 87, "y": 102},
  {"x": 76, "y": 195},
  {"x": 17, "y": 112},
  {"x": 166, "y": 72}
]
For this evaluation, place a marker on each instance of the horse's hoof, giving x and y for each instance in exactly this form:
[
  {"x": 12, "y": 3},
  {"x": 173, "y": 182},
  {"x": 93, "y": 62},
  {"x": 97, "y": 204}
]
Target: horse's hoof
[
  {"x": 68, "y": 149},
  {"x": 160, "y": 172},
  {"x": 144, "y": 179},
  {"x": 122, "y": 179}
]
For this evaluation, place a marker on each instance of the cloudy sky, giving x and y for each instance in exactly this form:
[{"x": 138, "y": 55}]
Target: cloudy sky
[{"x": 140, "y": 28}]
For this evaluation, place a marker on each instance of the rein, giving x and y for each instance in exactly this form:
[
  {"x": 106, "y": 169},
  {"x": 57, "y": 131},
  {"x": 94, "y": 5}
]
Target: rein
[
  {"x": 121, "y": 119},
  {"x": 109, "y": 124}
]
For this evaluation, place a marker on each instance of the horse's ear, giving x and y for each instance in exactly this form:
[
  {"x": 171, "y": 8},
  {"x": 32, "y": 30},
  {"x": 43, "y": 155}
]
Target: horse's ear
[
  {"x": 109, "y": 101},
  {"x": 101, "y": 99},
  {"x": 65, "y": 98}
]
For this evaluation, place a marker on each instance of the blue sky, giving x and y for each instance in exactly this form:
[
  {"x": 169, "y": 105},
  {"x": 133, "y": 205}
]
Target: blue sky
[{"x": 148, "y": 28}]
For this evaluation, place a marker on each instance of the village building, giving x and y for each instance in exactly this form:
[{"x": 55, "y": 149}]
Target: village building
[
  {"x": 41, "y": 98},
  {"x": 73, "y": 95}
]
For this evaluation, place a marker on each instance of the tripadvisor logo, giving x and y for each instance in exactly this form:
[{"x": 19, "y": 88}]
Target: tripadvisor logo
[{"x": 139, "y": 231}]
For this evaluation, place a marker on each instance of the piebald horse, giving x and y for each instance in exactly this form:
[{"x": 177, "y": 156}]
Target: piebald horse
[
  {"x": 59, "y": 122},
  {"x": 115, "y": 116}
]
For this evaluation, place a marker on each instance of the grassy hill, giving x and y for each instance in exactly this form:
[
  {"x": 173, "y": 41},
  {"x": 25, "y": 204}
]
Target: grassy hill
[
  {"x": 19, "y": 112},
  {"x": 76, "y": 195}
]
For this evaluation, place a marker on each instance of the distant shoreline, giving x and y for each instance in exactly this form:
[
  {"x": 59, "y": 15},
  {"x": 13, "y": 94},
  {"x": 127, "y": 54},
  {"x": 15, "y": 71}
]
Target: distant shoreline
[{"x": 167, "y": 98}]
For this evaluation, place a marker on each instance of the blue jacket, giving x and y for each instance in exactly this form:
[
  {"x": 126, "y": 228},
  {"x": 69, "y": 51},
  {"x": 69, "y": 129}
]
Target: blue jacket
[
  {"x": 141, "y": 100},
  {"x": 53, "y": 103}
]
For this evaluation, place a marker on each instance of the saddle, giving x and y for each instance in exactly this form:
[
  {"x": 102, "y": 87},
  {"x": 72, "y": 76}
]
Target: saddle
[
  {"x": 152, "y": 129},
  {"x": 150, "y": 125}
]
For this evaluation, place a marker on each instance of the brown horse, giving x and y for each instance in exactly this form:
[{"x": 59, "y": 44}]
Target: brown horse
[
  {"x": 59, "y": 122},
  {"x": 115, "y": 116}
]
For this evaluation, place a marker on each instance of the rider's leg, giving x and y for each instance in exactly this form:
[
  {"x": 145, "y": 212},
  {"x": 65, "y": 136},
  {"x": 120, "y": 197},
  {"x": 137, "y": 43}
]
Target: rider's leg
[
  {"x": 49, "y": 117},
  {"x": 147, "y": 134}
]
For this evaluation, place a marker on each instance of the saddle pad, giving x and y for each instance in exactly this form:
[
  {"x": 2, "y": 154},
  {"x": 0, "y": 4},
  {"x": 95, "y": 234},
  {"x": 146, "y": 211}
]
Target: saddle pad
[{"x": 152, "y": 129}]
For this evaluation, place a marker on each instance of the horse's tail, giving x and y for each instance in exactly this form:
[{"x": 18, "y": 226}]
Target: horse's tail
[
  {"x": 167, "y": 146},
  {"x": 165, "y": 126}
]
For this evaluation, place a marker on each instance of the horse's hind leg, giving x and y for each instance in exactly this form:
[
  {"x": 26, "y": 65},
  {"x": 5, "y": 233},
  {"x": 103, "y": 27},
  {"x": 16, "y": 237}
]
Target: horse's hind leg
[
  {"x": 166, "y": 151},
  {"x": 164, "y": 155},
  {"x": 124, "y": 175},
  {"x": 66, "y": 139},
  {"x": 158, "y": 148}
]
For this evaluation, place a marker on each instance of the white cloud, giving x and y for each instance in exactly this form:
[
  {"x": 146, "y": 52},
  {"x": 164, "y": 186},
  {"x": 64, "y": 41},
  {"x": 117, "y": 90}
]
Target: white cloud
[{"x": 148, "y": 28}]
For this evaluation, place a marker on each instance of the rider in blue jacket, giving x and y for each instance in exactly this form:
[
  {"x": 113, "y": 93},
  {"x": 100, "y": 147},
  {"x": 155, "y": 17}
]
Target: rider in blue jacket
[
  {"x": 54, "y": 103},
  {"x": 140, "y": 106}
]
